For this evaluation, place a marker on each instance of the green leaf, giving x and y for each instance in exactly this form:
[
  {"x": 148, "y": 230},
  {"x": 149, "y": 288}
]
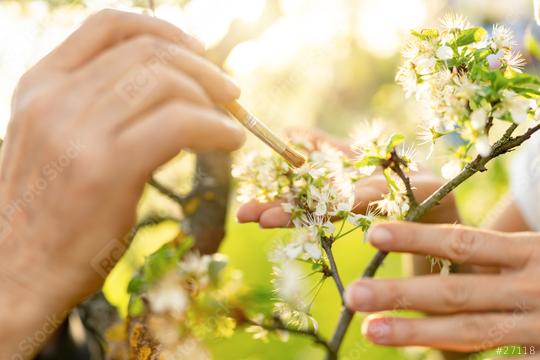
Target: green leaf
[
  {"x": 524, "y": 79},
  {"x": 526, "y": 91},
  {"x": 469, "y": 36},
  {"x": 390, "y": 180},
  {"x": 136, "y": 285},
  {"x": 316, "y": 267},
  {"x": 368, "y": 161},
  {"x": 136, "y": 306},
  {"x": 481, "y": 54},
  {"x": 425, "y": 34},
  {"x": 158, "y": 264},
  {"x": 394, "y": 140}
]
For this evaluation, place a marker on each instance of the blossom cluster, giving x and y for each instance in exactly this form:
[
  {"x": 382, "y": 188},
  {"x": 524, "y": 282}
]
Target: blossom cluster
[
  {"x": 315, "y": 194},
  {"x": 186, "y": 297},
  {"x": 467, "y": 79},
  {"x": 375, "y": 148}
]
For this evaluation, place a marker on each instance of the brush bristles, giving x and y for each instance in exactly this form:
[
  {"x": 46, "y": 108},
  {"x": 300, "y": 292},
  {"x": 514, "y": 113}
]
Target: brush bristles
[{"x": 293, "y": 158}]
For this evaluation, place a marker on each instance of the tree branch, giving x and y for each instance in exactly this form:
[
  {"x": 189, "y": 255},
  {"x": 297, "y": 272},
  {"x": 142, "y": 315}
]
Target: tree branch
[{"x": 504, "y": 145}]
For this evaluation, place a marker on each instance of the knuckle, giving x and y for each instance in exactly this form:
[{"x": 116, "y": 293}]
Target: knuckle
[
  {"x": 173, "y": 107},
  {"x": 455, "y": 295},
  {"x": 462, "y": 244},
  {"x": 26, "y": 81},
  {"x": 527, "y": 248},
  {"x": 471, "y": 327},
  {"x": 529, "y": 292},
  {"x": 38, "y": 106},
  {"x": 104, "y": 16},
  {"x": 167, "y": 80},
  {"x": 411, "y": 333},
  {"x": 179, "y": 84},
  {"x": 149, "y": 44},
  {"x": 396, "y": 298}
]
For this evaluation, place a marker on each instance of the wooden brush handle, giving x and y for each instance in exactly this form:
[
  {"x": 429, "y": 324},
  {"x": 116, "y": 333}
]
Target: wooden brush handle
[{"x": 264, "y": 133}]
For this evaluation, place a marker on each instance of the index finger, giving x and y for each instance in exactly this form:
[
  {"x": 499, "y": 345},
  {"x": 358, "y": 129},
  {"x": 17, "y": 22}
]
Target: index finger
[
  {"x": 460, "y": 244},
  {"x": 109, "y": 27}
]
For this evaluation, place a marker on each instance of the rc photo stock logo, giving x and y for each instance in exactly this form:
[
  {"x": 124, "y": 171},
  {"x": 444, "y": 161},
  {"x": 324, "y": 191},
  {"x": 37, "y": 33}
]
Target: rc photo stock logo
[
  {"x": 106, "y": 258},
  {"x": 137, "y": 85},
  {"x": 140, "y": 81}
]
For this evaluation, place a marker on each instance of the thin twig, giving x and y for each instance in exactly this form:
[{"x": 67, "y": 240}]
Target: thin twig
[
  {"x": 395, "y": 166},
  {"x": 279, "y": 325},
  {"x": 327, "y": 246},
  {"x": 506, "y": 144},
  {"x": 167, "y": 191},
  {"x": 150, "y": 221}
]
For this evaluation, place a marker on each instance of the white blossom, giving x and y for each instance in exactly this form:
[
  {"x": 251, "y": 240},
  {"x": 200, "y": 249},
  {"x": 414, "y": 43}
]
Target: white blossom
[
  {"x": 452, "y": 21},
  {"x": 482, "y": 146},
  {"x": 537, "y": 11},
  {"x": 195, "y": 266},
  {"x": 479, "y": 119},
  {"x": 288, "y": 284},
  {"x": 168, "y": 296},
  {"x": 445, "y": 53},
  {"x": 502, "y": 37},
  {"x": 514, "y": 61},
  {"x": 304, "y": 245},
  {"x": 451, "y": 169},
  {"x": 517, "y": 105}
]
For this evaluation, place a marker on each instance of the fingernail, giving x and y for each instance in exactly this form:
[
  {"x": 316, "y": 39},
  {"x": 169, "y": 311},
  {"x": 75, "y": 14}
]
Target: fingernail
[
  {"x": 376, "y": 330},
  {"x": 359, "y": 297},
  {"x": 379, "y": 235}
]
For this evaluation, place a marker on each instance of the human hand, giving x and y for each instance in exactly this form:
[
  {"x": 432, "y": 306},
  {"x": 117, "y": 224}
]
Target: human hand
[
  {"x": 467, "y": 312},
  {"x": 90, "y": 122},
  {"x": 372, "y": 188}
]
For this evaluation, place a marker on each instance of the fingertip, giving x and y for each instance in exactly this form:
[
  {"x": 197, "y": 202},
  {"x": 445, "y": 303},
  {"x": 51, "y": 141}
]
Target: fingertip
[
  {"x": 349, "y": 297},
  {"x": 376, "y": 328},
  {"x": 232, "y": 88},
  {"x": 236, "y": 137},
  {"x": 247, "y": 213},
  {"x": 193, "y": 42},
  {"x": 380, "y": 236},
  {"x": 274, "y": 218},
  {"x": 359, "y": 296}
]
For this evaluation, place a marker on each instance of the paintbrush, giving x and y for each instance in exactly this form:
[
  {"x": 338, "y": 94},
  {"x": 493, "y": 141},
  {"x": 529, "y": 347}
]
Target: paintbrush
[
  {"x": 260, "y": 130},
  {"x": 256, "y": 127}
]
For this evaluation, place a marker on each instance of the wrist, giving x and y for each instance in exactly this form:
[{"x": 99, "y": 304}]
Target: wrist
[
  {"x": 25, "y": 264},
  {"x": 33, "y": 314}
]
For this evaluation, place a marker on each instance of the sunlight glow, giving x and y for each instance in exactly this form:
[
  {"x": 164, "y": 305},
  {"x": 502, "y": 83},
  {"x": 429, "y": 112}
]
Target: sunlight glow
[
  {"x": 210, "y": 19},
  {"x": 382, "y": 24},
  {"x": 315, "y": 23}
]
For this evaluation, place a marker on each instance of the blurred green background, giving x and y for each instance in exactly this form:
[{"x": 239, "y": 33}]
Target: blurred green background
[{"x": 300, "y": 63}]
